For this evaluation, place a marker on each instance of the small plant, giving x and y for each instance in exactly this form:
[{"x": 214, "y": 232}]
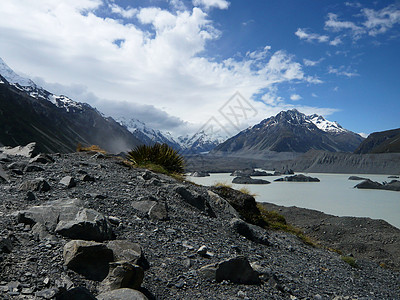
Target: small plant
[
  {"x": 160, "y": 158},
  {"x": 223, "y": 184},
  {"x": 246, "y": 191},
  {"x": 92, "y": 148},
  {"x": 349, "y": 260}
]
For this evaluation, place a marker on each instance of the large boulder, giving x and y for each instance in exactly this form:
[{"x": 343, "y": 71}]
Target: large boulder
[
  {"x": 248, "y": 180},
  {"x": 77, "y": 293},
  {"x": 357, "y": 178},
  {"x": 195, "y": 199},
  {"x": 236, "y": 270},
  {"x": 42, "y": 158},
  {"x": 4, "y": 178},
  {"x": 394, "y": 185},
  {"x": 199, "y": 174},
  {"x": 123, "y": 274},
  {"x": 90, "y": 259},
  {"x": 122, "y": 294},
  {"x": 88, "y": 224},
  {"x": 68, "y": 182}
]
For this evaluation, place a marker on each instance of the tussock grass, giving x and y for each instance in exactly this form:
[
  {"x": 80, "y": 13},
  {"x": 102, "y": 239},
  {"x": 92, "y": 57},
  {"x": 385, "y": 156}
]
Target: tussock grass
[
  {"x": 223, "y": 184},
  {"x": 158, "y": 158},
  {"x": 92, "y": 148}
]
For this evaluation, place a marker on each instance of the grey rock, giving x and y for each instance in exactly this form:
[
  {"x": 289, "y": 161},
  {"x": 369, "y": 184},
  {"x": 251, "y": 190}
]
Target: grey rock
[
  {"x": 194, "y": 199},
  {"x": 199, "y": 174},
  {"x": 26, "y": 151},
  {"x": 91, "y": 259},
  {"x": 202, "y": 250},
  {"x": 394, "y": 185},
  {"x": 87, "y": 225},
  {"x": 18, "y": 165},
  {"x": 357, "y": 178},
  {"x": 123, "y": 274},
  {"x": 42, "y": 159},
  {"x": 30, "y": 196},
  {"x": 249, "y": 231},
  {"x": 5, "y": 245},
  {"x": 147, "y": 175},
  {"x": 393, "y": 176},
  {"x": 221, "y": 203},
  {"x": 159, "y": 211},
  {"x": 33, "y": 168},
  {"x": 38, "y": 185},
  {"x": 41, "y": 233},
  {"x": 51, "y": 213},
  {"x": 299, "y": 178},
  {"x": 236, "y": 270},
  {"x": 125, "y": 250},
  {"x": 78, "y": 293},
  {"x": 248, "y": 180},
  {"x": 122, "y": 294},
  {"x": 68, "y": 182},
  {"x": 143, "y": 206},
  {"x": 4, "y": 178},
  {"x": 87, "y": 178},
  {"x": 47, "y": 293}
]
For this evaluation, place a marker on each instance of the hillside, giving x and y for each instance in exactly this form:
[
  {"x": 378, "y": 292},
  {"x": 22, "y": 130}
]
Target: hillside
[
  {"x": 381, "y": 142},
  {"x": 157, "y": 238}
]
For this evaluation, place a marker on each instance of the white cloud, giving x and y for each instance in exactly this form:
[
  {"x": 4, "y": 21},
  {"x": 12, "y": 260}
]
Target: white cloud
[
  {"x": 342, "y": 71},
  {"x": 125, "y": 13},
  {"x": 314, "y": 95},
  {"x": 157, "y": 72},
  {"x": 295, "y": 97},
  {"x": 311, "y": 63},
  {"x": 334, "y": 24},
  {"x": 310, "y": 37},
  {"x": 207, "y": 4},
  {"x": 382, "y": 20},
  {"x": 336, "y": 41}
]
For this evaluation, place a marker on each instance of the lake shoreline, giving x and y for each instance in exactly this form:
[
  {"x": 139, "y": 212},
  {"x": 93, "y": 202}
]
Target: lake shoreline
[{"x": 364, "y": 238}]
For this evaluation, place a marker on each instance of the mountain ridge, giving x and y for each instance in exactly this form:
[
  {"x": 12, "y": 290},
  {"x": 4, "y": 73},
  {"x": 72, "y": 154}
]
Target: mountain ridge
[{"x": 292, "y": 131}]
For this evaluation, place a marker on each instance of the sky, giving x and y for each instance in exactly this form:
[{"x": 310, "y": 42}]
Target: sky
[{"x": 181, "y": 65}]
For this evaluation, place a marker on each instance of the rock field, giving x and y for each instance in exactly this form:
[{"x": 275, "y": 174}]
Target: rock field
[{"x": 84, "y": 226}]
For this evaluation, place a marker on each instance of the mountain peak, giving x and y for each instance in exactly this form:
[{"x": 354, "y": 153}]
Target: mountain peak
[{"x": 13, "y": 77}]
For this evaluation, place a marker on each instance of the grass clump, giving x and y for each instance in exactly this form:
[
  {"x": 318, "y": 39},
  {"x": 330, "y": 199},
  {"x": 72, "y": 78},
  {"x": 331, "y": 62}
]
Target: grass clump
[
  {"x": 159, "y": 158},
  {"x": 246, "y": 191},
  {"x": 349, "y": 260},
  {"x": 92, "y": 148},
  {"x": 223, "y": 184}
]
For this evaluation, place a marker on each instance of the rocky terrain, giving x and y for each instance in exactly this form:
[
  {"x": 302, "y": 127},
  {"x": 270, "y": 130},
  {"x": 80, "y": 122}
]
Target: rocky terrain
[
  {"x": 84, "y": 224},
  {"x": 362, "y": 237}
]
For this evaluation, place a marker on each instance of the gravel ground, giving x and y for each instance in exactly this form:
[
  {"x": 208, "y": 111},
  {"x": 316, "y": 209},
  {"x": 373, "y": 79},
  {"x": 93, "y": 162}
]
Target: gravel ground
[{"x": 289, "y": 268}]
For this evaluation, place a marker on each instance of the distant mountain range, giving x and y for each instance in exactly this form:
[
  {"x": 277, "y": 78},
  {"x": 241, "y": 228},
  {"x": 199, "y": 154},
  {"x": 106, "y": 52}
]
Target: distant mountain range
[
  {"x": 381, "y": 142},
  {"x": 292, "y": 131},
  {"x": 200, "y": 142}
]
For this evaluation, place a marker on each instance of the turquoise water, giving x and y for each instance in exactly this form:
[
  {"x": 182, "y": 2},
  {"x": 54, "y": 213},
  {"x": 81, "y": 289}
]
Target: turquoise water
[{"x": 333, "y": 195}]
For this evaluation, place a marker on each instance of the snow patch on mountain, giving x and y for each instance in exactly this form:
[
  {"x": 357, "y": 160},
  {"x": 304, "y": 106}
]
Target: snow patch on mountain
[{"x": 325, "y": 125}]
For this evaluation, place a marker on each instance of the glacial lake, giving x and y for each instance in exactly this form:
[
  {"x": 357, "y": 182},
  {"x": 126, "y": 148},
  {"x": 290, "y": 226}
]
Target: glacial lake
[{"x": 334, "y": 194}]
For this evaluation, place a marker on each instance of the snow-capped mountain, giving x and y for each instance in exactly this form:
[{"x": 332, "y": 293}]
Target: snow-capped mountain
[
  {"x": 200, "y": 142},
  {"x": 146, "y": 134},
  {"x": 292, "y": 131},
  {"x": 56, "y": 123}
]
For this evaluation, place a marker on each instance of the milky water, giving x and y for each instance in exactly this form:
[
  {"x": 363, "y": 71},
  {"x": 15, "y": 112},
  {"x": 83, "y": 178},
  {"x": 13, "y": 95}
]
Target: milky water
[{"x": 334, "y": 194}]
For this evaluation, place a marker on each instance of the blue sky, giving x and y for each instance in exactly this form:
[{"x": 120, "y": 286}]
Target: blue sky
[{"x": 174, "y": 64}]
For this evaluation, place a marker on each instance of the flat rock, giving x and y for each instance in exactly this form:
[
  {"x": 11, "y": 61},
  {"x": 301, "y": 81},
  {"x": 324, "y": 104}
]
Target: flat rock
[
  {"x": 51, "y": 213},
  {"x": 122, "y": 294},
  {"x": 91, "y": 259},
  {"x": 248, "y": 180},
  {"x": 42, "y": 159},
  {"x": 394, "y": 185},
  {"x": 249, "y": 231},
  {"x": 33, "y": 168},
  {"x": 4, "y": 178},
  {"x": 88, "y": 224}
]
